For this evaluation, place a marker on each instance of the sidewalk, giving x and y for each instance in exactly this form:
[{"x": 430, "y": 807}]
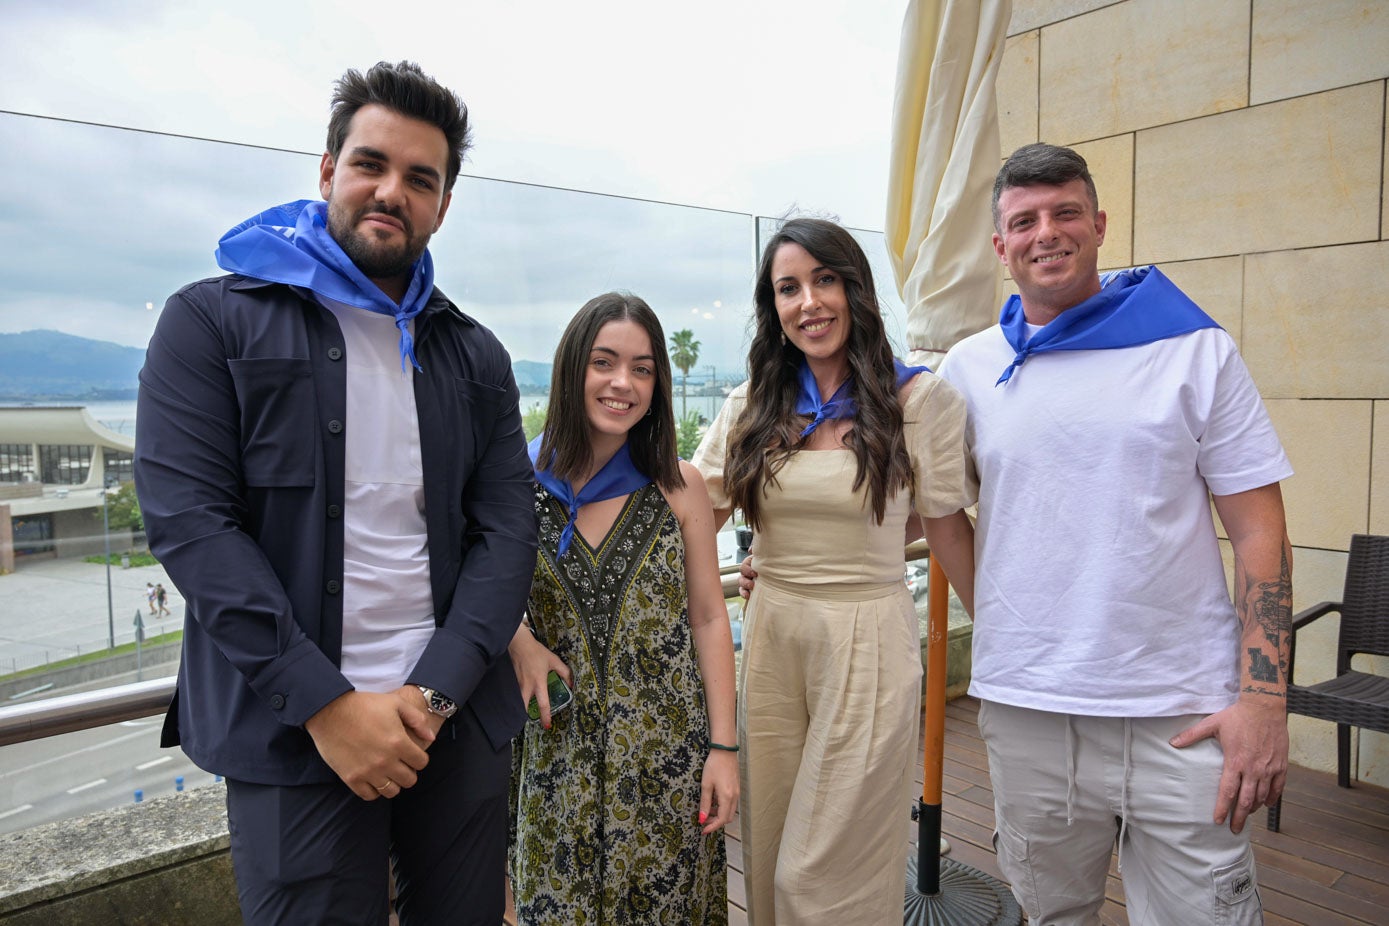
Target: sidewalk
[{"x": 53, "y": 609}]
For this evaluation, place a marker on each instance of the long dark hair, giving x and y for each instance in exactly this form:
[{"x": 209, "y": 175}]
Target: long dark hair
[
  {"x": 651, "y": 442},
  {"x": 768, "y": 430}
]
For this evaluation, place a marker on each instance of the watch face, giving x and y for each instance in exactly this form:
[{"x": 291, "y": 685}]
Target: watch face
[{"x": 439, "y": 703}]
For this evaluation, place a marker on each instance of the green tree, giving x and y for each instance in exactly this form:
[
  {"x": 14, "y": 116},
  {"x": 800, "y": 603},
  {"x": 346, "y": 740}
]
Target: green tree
[
  {"x": 533, "y": 421},
  {"x": 687, "y": 434},
  {"x": 123, "y": 509},
  {"x": 684, "y": 353}
]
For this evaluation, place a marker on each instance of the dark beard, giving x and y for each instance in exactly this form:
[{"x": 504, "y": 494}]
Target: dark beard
[{"x": 377, "y": 261}]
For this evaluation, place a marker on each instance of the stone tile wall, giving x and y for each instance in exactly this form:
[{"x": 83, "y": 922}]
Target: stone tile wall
[{"x": 1244, "y": 145}]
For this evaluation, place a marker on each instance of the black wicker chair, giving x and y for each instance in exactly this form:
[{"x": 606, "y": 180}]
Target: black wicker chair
[{"x": 1351, "y": 699}]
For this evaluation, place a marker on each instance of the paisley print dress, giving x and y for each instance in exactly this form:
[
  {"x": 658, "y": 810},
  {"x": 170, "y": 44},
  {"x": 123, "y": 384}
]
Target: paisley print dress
[{"x": 607, "y": 800}]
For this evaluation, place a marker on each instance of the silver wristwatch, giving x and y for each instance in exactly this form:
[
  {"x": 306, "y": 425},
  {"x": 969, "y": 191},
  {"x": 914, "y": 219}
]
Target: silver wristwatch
[{"x": 438, "y": 703}]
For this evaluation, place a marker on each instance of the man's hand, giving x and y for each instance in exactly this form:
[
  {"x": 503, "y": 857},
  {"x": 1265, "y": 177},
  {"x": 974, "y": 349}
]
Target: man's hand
[
  {"x": 426, "y": 730},
  {"x": 374, "y": 742},
  {"x": 1254, "y": 737},
  {"x": 747, "y": 577}
]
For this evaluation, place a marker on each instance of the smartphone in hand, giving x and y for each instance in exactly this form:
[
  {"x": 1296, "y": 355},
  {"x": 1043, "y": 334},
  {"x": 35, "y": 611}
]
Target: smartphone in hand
[{"x": 560, "y": 697}]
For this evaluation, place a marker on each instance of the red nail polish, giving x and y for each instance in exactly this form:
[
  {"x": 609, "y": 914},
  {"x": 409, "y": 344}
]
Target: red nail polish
[{"x": 703, "y": 817}]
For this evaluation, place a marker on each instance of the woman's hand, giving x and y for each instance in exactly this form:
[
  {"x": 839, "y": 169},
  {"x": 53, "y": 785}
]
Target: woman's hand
[
  {"x": 718, "y": 790},
  {"x": 533, "y": 662}
]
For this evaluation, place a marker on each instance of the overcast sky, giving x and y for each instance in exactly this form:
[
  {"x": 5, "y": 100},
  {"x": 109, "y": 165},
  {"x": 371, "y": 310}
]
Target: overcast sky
[{"x": 750, "y": 107}]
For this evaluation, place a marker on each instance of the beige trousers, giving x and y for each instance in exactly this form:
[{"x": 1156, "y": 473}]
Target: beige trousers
[
  {"x": 831, "y": 699},
  {"x": 1068, "y": 787}
]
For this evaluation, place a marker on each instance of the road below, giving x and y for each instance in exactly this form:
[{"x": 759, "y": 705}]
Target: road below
[{"x": 78, "y": 773}]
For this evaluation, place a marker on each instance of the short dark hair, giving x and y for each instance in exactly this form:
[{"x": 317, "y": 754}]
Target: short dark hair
[
  {"x": 1040, "y": 164},
  {"x": 651, "y": 442},
  {"x": 406, "y": 89}
]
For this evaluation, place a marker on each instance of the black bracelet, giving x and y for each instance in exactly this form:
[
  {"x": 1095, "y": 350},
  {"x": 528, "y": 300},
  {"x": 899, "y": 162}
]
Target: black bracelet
[{"x": 714, "y": 745}]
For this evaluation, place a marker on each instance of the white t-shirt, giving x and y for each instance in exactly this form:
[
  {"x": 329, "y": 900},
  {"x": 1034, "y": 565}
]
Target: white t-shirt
[
  {"x": 1099, "y": 583},
  {"x": 388, "y": 608}
]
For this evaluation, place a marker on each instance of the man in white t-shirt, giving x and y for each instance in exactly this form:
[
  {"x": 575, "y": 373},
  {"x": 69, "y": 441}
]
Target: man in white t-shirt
[{"x": 1124, "y": 696}]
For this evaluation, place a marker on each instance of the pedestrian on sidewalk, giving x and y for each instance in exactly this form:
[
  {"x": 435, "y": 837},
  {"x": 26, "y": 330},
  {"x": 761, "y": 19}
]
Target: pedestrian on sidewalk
[{"x": 162, "y": 597}]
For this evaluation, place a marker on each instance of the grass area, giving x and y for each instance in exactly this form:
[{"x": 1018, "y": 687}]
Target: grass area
[
  {"x": 173, "y": 636},
  {"x": 136, "y": 559}
]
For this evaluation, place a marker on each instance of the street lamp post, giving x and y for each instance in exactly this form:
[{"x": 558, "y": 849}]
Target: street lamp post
[{"x": 106, "y": 535}]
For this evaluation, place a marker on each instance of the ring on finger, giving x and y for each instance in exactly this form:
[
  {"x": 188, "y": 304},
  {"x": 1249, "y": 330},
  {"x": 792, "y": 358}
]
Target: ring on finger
[{"x": 382, "y": 788}]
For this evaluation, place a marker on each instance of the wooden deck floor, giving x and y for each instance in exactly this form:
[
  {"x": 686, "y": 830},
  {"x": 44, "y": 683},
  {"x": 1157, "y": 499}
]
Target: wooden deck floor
[{"x": 1329, "y": 866}]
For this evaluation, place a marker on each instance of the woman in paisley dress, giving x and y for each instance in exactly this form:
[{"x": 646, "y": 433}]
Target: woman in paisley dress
[
  {"x": 621, "y": 798},
  {"x": 835, "y": 453}
]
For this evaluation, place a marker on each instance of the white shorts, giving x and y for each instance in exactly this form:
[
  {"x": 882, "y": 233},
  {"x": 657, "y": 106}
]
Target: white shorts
[{"x": 1066, "y": 787}]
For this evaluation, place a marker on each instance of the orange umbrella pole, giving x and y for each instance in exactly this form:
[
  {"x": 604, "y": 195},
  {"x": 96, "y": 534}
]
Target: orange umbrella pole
[
  {"x": 937, "y": 625},
  {"x": 928, "y": 812}
]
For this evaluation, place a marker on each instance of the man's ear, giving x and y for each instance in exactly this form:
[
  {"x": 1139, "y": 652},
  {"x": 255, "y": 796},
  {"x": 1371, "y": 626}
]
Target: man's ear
[{"x": 326, "y": 167}]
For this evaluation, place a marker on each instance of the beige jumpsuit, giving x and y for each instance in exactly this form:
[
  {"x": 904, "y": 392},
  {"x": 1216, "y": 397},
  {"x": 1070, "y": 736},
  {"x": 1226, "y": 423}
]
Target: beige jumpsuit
[{"x": 829, "y": 693}]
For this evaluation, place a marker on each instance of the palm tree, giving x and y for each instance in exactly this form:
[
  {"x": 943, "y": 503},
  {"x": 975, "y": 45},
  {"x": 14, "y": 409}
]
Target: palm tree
[{"x": 684, "y": 353}]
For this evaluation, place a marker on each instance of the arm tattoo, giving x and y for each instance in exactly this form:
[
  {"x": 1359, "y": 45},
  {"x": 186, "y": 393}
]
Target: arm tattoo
[{"x": 1268, "y": 606}]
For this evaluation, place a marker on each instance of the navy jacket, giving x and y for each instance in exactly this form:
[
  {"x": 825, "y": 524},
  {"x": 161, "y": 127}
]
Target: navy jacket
[{"x": 239, "y": 468}]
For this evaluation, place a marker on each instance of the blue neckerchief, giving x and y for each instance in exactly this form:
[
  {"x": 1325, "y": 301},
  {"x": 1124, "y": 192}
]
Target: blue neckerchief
[
  {"x": 841, "y": 404},
  {"x": 1133, "y": 307},
  {"x": 291, "y": 244},
  {"x": 618, "y": 476}
]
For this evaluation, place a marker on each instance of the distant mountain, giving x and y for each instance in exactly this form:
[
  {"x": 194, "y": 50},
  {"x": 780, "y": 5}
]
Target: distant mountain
[
  {"x": 49, "y": 365},
  {"x": 531, "y": 374}
]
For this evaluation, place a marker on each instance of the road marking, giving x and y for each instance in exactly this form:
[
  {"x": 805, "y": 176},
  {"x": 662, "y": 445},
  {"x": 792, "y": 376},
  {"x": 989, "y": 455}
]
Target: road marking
[
  {"x": 11, "y": 813},
  {"x": 69, "y": 756},
  {"x": 90, "y": 784},
  {"x": 153, "y": 762}
]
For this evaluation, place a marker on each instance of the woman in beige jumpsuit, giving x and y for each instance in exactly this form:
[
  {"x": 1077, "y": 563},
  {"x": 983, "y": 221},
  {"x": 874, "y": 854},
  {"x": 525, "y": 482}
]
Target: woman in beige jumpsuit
[{"x": 829, "y": 694}]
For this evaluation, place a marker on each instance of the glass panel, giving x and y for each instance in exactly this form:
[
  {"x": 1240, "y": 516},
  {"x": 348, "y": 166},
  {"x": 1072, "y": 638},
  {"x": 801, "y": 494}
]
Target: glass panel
[
  {"x": 140, "y": 217},
  {"x": 523, "y": 259}
]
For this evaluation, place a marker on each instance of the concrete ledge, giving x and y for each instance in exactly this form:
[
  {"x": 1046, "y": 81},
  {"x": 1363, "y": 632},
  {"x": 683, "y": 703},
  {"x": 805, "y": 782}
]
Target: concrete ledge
[{"x": 164, "y": 862}]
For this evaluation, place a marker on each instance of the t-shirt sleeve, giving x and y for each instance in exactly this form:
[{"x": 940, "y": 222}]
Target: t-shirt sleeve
[
  {"x": 934, "y": 419},
  {"x": 712, "y": 452},
  {"x": 1239, "y": 449}
]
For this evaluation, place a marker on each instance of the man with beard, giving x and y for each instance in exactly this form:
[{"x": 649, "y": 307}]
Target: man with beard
[{"x": 331, "y": 465}]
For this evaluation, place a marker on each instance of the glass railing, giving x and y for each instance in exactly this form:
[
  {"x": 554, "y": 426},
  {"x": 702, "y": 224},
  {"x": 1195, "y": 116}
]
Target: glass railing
[{"x": 106, "y": 223}]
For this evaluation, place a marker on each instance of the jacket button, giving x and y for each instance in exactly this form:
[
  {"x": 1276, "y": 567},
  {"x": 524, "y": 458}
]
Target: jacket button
[
  {"x": 335, "y": 426},
  {"x": 277, "y": 701},
  {"x": 334, "y": 511},
  {"x": 333, "y": 586},
  {"x": 335, "y": 353}
]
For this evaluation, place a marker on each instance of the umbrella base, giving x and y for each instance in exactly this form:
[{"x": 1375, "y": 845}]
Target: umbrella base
[{"x": 967, "y": 897}]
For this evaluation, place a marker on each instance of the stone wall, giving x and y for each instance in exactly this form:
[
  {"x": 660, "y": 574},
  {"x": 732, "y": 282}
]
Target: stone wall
[
  {"x": 161, "y": 863},
  {"x": 1241, "y": 145}
]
